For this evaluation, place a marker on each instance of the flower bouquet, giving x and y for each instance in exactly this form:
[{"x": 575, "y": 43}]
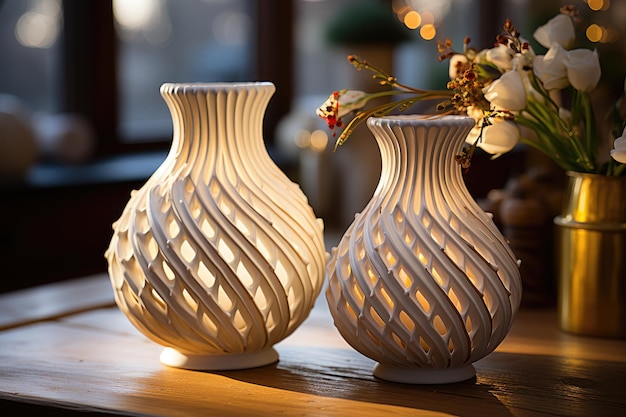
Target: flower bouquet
[
  {"x": 543, "y": 100},
  {"x": 514, "y": 94}
]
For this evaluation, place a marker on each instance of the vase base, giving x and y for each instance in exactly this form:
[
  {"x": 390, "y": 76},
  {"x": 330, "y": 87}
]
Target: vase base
[
  {"x": 424, "y": 376},
  {"x": 174, "y": 358}
]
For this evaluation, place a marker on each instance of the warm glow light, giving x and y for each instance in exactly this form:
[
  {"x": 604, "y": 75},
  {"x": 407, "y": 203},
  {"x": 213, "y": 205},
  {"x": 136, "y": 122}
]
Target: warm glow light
[
  {"x": 372, "y": 276},
  {"x": 455, "y": 300},
  {"x": 428, "y": 32},
  {"x": 391, "y": 259},
  {"x": 387, "y": 298},
  {"x": 439, "y": 325},
  {"x": 244, "y": 276},
  {"x": 424, "y": 345},
  {"x": 406, "y": 321},
  {"x": 302, "y": 139},
  {"x": 205, "y": 275},
  {"x": 405, "y": 279},
  {"x": 412, "y": 20},
  {"x": 597, "y": 5},
  {"x": 436, "y": 276},
  {"x": 377, "y": 318},
  {"x": 594, "y": 33},
  {"x": 225, "y": 251},
  {"x": 423, "y": 302},
  {"x": 187, "y": 252},
  {"x": 319, "y": 140},
  {"x": 360, "y": 297}
]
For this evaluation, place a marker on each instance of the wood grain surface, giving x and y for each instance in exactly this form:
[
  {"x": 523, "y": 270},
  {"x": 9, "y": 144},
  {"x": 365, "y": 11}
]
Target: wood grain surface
[{"x": 91, "y": 359}]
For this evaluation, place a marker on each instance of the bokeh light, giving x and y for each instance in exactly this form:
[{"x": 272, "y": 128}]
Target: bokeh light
[
  {"x": 428, "y": 31},
  {"x": 597, "y": 5},
  {"x": 40, "y": 26},
  {"x": 412, "y": 19},
  {"x": 319, "y": 140}
]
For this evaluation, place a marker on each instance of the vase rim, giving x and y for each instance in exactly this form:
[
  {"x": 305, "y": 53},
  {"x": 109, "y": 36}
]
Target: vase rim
[
  {"x": 576, "y": 174},
  {"x": 421, "y": 119},
  {"x": 215, "y": 86}
]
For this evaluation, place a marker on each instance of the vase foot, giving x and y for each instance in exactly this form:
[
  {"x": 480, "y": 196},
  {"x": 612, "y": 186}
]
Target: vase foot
[
  {"x": 174, "y": 358},
  {"x": 423, "y": 376}
]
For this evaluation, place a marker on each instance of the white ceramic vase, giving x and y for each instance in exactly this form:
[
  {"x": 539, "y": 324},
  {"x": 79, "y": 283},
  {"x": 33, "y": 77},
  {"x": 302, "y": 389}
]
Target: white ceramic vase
[
  {"x": 423, "y": 282},
  {"x": 219, "y": 255}
]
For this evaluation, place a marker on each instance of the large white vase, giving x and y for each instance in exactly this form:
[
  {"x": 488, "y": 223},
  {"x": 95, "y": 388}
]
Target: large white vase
[
  {"x": 218, "y": 256},
  {"x": 423, "y": 282}
]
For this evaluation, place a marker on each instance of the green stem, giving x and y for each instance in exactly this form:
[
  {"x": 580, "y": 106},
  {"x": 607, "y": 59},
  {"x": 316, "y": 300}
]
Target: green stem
[
  {"x": 558, "y": 136},
  {"x": 591, "y": 139},
  {"x": 385, "y": 109}
]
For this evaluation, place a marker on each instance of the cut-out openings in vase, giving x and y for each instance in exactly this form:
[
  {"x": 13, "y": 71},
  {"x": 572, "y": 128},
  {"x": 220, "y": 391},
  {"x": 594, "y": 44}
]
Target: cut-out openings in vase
[
  {"x": 422, "y": 269},
  {"x": 218, "y": 256}
]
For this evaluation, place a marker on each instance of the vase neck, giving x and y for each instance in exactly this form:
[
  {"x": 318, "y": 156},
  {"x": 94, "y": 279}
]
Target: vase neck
[
  {"x": 212, "y": 119},
  {"x": 418, "y": 152}
]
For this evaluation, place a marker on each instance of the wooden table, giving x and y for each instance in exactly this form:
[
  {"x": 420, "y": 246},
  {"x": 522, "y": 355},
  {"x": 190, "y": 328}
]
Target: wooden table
[{"x": 65, "y": 348}]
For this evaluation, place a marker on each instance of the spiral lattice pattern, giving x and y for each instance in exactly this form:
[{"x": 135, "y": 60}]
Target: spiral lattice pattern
[
  {"x": 422, "y": 278},
  {"x": 219, "y": 252}
]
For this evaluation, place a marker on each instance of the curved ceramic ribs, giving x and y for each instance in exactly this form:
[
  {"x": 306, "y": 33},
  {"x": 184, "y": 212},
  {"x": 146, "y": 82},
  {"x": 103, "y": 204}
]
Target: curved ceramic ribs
[
  {"x": 219, "y": 252},
  {"x": 422, "y": 279}
]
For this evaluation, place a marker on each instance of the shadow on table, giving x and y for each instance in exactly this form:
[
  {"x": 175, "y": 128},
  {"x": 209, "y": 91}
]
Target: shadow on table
[
  {"x": 506, "y": 384},
  {"x": 342, "y": 373}
]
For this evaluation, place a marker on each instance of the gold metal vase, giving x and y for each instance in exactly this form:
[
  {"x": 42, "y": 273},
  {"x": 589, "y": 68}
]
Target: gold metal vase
[{"x": 592, "y": 256}]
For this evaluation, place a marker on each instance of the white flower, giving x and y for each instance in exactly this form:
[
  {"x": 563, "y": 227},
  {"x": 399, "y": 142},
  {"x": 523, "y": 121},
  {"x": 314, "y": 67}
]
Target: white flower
[
  {"x": 499, "y": 138},
  {"x": 507, "y": 92},
  {"x": 524, "y": 60},
  {"x": 583, "y": 69},
  {"x": 619, "y": 153},
  {"x": 340, "y": 103},
  {"x": 559, "y": 29},
  {"x": 350, "y": 100},
  {"x": 457, "y": 63},
  {"x": 475, "y": 113},
  {"x": 501, "y": 56},
  {"x": 550, "y": 68}
]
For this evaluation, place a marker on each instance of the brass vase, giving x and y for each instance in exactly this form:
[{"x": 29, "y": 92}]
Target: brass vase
[{"x": 592, "y": 256}]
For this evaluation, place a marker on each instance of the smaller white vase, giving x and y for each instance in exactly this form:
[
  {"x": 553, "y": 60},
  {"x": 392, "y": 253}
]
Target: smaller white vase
[{"x": 423, "y": 282}]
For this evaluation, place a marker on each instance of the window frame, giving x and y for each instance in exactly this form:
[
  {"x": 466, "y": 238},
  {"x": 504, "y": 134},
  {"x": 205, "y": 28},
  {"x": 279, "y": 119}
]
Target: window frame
[{"x": 89, "y": 77}]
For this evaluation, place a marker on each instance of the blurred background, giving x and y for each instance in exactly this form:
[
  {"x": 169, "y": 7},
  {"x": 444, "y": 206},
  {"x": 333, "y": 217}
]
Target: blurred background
[{"x": 82, "y": 122}]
